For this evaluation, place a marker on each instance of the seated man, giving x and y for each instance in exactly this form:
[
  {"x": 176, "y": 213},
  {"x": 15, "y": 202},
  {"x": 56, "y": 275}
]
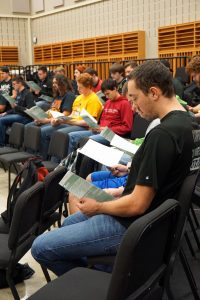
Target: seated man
[
  {"x": 24, "y": 99},
  {"x": 6, "y": 87},
  {"x": 157, "y": 171}
]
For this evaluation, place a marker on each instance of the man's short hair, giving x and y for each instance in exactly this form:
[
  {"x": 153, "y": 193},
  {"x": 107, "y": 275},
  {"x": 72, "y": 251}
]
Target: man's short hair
[
  {"x": 91, "y": 71},
  {"x": 19, "y": 79},
  {"x": 194, "y": 65},
  {"x": 153, "y": 73},
  {"x": 133, "y": 64},
  {"x": 43, "y": 69},
  {"x": 117, "y": 68},
  {"x": 5, "y": 69},
  {"x": 109, "y": 84}
]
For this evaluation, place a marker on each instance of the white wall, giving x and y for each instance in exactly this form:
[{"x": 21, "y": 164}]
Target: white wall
[
  {"x": 113, "y": 16},
  {"x": 14, "y": 32}
]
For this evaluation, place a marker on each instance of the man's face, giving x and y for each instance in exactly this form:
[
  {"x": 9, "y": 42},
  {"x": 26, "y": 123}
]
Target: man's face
[
  {"x": 16, "y": 85},
  {"x": 128, "y": 70},
  {"x": 4, "y": 75},
  {"x": 143, "y": 104},
  {"x": 116, "y": 76},
  {"x": 112, "y": 95},
  {"x": 196, "y": 77},
  {"x": 42, "y": 75}
]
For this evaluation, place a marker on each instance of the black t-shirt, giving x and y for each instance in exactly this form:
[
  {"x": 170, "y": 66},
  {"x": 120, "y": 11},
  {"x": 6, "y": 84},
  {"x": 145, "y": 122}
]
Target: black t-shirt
[
  {"x": 5, "y": 87},
  {"x": 64, "y": 103},
  {"x": 164, "y": 159}
]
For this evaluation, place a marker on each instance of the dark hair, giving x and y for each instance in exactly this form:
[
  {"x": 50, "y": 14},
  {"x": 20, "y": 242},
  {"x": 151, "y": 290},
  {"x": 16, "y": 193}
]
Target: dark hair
[
  {"x": 5, "y": 69},
  {"x": 117, "y": 68},
  {"x": 64, "y": 85},
  {"x": 43, "y": 69},
  {"x": 86, "y": 80},
  {"x": 109, "y": 84},
  {"x": 19, "y": 79},
  {"x": 194, "y": 65},
  {"x": 133, "y": 64},
  {"x": 165, "y": 62},
  {"x": 91, "y": 71},
  {"x": 153, "y": 73}
]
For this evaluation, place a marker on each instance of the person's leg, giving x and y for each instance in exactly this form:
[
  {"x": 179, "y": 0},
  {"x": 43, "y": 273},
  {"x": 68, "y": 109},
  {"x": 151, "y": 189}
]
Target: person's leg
[
  {"x": 43, "y": 104},
  {"x": 8, "y": 120},
  {"x": 46, "y": 133},
  {"x": 100, "y": 139},
  {"x": 75, "y": 136},
  {"x": 80, "y": 236}
]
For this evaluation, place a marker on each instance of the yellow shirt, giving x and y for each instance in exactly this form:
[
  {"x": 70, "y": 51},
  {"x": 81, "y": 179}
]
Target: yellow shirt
[{"x": 91, "y": 103}]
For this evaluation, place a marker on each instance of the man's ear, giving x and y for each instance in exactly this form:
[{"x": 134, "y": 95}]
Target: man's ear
[{"x": 154, "y": 92}]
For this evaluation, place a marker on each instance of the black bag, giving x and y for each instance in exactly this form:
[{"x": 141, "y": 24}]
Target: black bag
[
  {"x": 20, "y": 273},
  {"x": 72, "y": 162},
  {"x": 31, "y": 172}
]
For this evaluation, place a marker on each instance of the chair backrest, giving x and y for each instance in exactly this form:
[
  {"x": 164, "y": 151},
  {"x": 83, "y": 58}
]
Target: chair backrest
[
  {"x": 185, "y": 198},
  {"x": 139, "y": 127},
  {"x": 16, "y": 135},
  {"x": 53, "y": 192},
  {"x": 144, "y": 251},
  {"x": 32, "y": 138},
  {"x": 26, "y": 217},
  {"x": 58, "y": 145}
]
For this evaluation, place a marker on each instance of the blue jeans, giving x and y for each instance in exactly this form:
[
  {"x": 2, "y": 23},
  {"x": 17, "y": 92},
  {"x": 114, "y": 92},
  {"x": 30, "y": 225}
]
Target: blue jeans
[
  {"x": 74, "y": 138},
  {"x": 8, "y": 120},
  {"x": 48, "y": 130},
  {"x": 79, "y": 237}
]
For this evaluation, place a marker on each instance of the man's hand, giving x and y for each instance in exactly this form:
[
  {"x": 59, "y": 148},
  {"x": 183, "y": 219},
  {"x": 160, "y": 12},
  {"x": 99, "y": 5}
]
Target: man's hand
[
  {"x": 89, "y": 206},
  {"x": 119, "y": 170},
  {"x": 37, "y": 92},
  {"x": 55, "y": 122}
]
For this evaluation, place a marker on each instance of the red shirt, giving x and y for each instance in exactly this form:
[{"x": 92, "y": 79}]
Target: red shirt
[
  {"x": 97, "y": 87},
  {"x": 117, "y": 115}
]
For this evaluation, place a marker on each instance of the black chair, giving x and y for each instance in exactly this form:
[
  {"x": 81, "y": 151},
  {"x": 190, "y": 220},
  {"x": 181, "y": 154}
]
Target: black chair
[
  {"x": 140, "y": 265},
  {"x": 23, "y": 230},
  {"x": 30, "y": 148},
  {"x": 57, "y": 148},
  {"x": 16, "y": 138},
  {"x": 53, "y": 199}
]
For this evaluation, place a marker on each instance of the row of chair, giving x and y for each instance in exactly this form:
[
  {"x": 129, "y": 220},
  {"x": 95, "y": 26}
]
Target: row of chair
[
  {"x": 35, "y": 211},
  {"x": 144, "y": 262},
  {"x": 24, "y": 142}
]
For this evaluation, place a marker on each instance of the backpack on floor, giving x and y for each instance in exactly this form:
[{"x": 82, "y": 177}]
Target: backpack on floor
[{"x": 32, "y": 170}]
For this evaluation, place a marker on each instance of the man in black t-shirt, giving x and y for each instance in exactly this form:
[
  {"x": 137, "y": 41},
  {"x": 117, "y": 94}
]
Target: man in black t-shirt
[
  {"x": 5, "y": 87},
  {"x": 157, "y": 172},
  {"x": 24, "y": 99}
]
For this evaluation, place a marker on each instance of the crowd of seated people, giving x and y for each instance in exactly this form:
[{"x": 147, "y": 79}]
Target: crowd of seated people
[{"x": 152, "y": 175}]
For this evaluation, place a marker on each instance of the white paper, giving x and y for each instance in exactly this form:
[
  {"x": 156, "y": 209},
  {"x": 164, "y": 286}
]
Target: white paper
[
  {"x": 103, "y": 154},
  {"x": 56, "y": 114},
  {"x": 123, "y": 144}
]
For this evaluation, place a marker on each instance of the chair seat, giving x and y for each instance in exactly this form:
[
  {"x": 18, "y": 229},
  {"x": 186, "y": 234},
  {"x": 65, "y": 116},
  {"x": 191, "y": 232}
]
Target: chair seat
[
  {"x": 14, "y": 157},
  {"x": 77, "y": 284},
  {"x": 6, "y": 150},
  {"x": 50, "y": 165},
  {"x": 4, "y": 228},
  {"x": 4, "y": 251}
]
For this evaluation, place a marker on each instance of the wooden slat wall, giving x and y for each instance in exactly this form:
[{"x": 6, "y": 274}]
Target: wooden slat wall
[
  {"x": 9, "y": 55},
  {"x": 179, "y": 40},
  {"x": 124, "y": 46}
]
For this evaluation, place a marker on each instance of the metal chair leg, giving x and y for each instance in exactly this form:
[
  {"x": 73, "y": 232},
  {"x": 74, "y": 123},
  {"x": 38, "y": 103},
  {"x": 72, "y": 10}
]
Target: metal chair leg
[
  {"x": 12, "y": 286},
  {"x": 194, "y": 231},
  {"x": 46, "y": 273},
  {"x": 189, "y": 274}
]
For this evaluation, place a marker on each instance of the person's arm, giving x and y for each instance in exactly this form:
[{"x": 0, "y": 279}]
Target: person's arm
[
  {"x": 134, "y": 204},
  {"x": 126, "y": 122},
  {"x": 2, "y": 108}
]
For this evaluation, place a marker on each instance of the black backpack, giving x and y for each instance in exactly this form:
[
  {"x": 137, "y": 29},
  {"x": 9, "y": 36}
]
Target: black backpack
[{"x": 32, "y": 170}]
